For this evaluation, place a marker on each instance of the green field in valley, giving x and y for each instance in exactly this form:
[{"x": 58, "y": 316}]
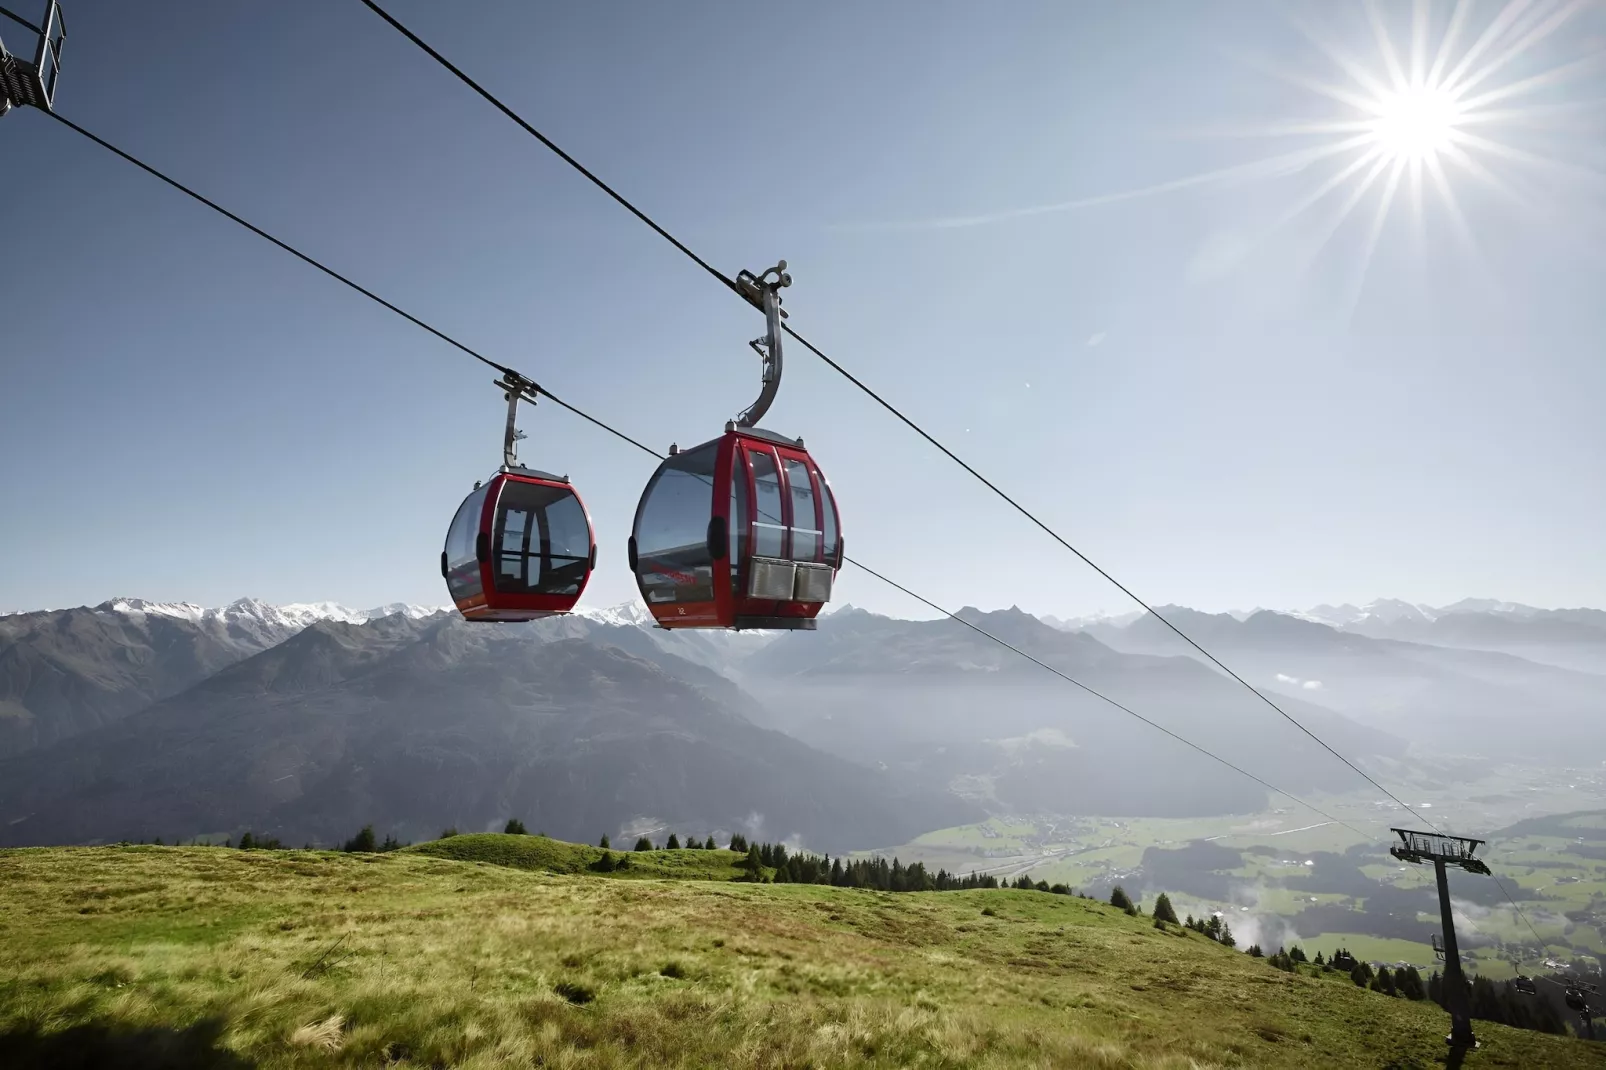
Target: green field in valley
[{"x": 444, "y": 956}]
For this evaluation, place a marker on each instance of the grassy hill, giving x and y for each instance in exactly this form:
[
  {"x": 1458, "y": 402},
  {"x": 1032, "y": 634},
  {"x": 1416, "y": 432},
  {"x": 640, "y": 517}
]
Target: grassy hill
[
  {"x": 208, "y": 957},
  {"x": 558, "y": 856}
]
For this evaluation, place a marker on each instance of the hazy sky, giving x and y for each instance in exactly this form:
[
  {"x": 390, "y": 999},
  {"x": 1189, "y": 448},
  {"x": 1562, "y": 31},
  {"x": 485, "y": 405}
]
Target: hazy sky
[{"x": 1202, "y": 393}]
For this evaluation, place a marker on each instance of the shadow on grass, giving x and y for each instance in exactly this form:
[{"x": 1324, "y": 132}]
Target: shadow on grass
[{"x": 89, "y": 1047}]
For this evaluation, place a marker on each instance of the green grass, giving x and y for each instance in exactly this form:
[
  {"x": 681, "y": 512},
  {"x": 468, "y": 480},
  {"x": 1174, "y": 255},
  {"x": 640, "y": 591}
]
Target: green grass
[{"x": 214, "y": 957}]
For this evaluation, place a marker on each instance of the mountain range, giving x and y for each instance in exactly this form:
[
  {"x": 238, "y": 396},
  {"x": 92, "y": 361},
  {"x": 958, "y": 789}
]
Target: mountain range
[{"x": 133, "y": 719}]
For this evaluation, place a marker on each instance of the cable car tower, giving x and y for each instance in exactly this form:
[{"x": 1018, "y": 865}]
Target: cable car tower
[
  {"x": 1445, "y": 850},
  {"x": 33, "y": 83}
]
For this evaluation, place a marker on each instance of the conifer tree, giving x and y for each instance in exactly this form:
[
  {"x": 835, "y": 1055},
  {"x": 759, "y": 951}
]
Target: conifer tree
[
  {"x": 1163, "y": 910},
  {"x": 363, "y": 842},
  {"x": 514, "y": 827},
  {"x": 1119, "y": 898},
  {"x": 673, "y": 844},
  {"x": 603, "y": 843},
  {"x": 643, "y": 844}
]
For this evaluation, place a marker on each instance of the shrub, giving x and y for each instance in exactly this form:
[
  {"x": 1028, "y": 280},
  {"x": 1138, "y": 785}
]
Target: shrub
[
  {"x": 1163, "y": 911},
  {"x": 672, "y": 969},
  {"x": 447, "y": 834},
  {"x": 515, "y": 827},
  {"x": 605, "y": 863}
]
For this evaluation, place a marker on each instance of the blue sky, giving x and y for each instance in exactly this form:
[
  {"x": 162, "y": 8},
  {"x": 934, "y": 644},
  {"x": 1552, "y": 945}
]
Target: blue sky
[{"x": 1215, "y": 405}]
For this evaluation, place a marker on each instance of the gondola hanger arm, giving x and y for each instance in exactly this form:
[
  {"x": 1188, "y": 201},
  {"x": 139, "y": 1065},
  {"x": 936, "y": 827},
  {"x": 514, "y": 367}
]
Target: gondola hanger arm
[
  {"x": 515, "y": 387},
  {"x": 763, "y": 292}
]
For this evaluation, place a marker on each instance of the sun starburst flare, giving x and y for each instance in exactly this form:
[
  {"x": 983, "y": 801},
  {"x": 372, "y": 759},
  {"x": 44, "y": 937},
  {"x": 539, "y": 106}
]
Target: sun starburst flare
[
  {"x": 1460, "y": 105},
  {"x": 1469, "y": 100}
]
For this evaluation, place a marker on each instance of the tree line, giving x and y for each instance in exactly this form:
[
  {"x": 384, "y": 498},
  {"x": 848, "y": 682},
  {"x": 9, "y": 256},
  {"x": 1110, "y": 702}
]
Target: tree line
[
  {"x": 772, "y": 861},
  {"x": 1490, "y": 1001}
]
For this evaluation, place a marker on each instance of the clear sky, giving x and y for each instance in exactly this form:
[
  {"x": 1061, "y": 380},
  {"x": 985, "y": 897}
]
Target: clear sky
[{"x": 1220, "y": 406}]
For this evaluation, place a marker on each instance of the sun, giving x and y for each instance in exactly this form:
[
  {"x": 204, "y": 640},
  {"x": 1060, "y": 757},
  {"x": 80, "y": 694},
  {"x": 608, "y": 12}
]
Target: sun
[{"x": 1415, "y": 124}]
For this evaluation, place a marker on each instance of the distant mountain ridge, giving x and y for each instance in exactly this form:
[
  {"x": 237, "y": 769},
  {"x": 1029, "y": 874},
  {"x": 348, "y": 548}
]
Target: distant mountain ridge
[
  {"x": 418, "y": 723},
  {"x": 931, "y": 710}
]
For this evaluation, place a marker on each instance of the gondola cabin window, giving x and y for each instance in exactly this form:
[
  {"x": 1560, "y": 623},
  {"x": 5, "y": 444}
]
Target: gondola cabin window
[
  {"x": 805, "y": 523},
  {"x": 769, "y": 523},
  {"x": 541, "y": 538},
  {"x": 462, "y": 563},
  {"x": 828, "y": 508},
  {"x": 673, "y": 562}
]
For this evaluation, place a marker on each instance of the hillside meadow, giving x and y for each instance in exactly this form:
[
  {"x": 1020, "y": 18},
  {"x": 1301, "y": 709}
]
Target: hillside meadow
[{"x": 139, "y": 956}]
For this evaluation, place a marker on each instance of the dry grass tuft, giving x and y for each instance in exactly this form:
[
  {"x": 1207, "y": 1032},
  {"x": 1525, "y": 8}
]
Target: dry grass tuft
[{"x": 326, "y": 1035}]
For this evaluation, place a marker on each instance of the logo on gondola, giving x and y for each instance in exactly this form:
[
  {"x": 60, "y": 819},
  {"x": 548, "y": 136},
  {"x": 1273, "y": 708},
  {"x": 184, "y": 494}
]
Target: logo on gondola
[{"x": 681, "y": 578}]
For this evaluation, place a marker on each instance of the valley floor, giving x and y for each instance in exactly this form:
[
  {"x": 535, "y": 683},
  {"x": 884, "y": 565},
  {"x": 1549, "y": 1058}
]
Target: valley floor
[{"x": 211, "y": 957}]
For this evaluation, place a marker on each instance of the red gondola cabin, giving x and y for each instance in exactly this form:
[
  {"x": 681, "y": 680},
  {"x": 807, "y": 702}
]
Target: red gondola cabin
[
  {"x": 520, "y": 548},
  {"x": 740, "y": 532}
]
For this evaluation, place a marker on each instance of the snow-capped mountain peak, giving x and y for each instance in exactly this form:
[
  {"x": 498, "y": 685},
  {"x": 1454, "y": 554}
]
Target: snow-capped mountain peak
[
  {"x": 143, "y": 607},
  {"x": 1489, "y": 605},
  {"x": 625, "y": 614},
  {"x": 1392, "y": 610},
  {"x": 1076, "y": 624},
  {"x": 296, "y": 615}
]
